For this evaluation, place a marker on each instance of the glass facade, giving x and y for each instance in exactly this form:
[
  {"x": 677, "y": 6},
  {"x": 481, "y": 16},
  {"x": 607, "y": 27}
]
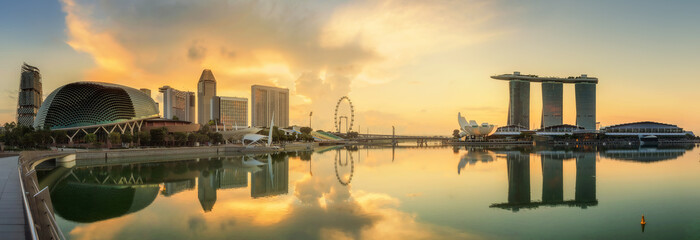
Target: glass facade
[
  {"x": 178, "y": 104},
  {"x": 519, "y": 107},
  {"x": 91, "y": 103},
  {"x": 552, "y": 104},
  {"x": 230, "y": 111},
  {"x": 265, "y": 101},
  {"x": 586, "y": 105}
]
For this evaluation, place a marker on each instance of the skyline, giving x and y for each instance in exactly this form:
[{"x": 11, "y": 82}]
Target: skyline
[{"x": 409, "y": 64}]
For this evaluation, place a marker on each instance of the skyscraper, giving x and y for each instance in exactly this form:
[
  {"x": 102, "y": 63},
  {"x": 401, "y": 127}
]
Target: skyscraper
[
  {"x": 230, "y": 111},
  {"x": 264, "y": 101},
  {"x": 29, "y": 100},
  {"x": 519, "y": 107},
  {"x": 206, "y": 89},
  {"x": 586, "y": 105},
  {"x": 552, "y": 104},
  {"x": 177, "y": 104},
  {"x": 552, "y": 94}
]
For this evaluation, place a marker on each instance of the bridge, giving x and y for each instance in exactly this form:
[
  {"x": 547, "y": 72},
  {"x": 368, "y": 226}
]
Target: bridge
[{"x": 389, "y": 138}]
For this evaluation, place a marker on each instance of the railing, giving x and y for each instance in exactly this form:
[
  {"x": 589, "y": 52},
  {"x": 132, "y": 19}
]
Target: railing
[
  {"x": 27, "y": 213},
  {"x": 37, "y": 203}
]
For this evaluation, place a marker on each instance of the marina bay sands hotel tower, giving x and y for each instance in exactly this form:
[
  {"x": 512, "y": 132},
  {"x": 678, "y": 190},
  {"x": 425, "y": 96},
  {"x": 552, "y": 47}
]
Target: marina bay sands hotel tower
[{"x": 552, "y": 94}]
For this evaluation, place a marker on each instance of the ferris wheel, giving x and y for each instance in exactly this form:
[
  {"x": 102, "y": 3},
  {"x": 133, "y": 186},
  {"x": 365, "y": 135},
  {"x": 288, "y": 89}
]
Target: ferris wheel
[{"x": 341, "y": 117}]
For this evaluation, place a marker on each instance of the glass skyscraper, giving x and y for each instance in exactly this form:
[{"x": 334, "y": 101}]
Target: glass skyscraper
[
  {"x": 586, "y": 105},
  {"x": 268, "y": 100},
  {"x": 552, "y": 93},
  {"x": 230, "y": 111},
  {"x": 519, "y": 107}
]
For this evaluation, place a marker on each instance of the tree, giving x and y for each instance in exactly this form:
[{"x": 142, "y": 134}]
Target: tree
[
  {"x": 202, "y": 138},
  {"x": 115, "y": 138},
  {"x": 176, "y": 118},
  {"x": 455, "y": 134},
  {"x": 192, "y": 138},
  {"x": 144, "y": 138},
  {"x": 127, "y": 137},
  {"x": 59, "y": 136},
  {"x": 305, "y": 130},
  {"x": 180, "y": 138},
  {"x": 157, "y": 136},
  {"x": 91, "y": 138},
  {"x": 216, "y": 137}
]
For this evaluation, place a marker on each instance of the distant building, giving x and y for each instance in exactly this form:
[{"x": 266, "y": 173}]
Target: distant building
[
  {"x": 510, "y": 131},
  {"x": 177, "y": 104},
  {"x": 173, "y": 126},
  {"x": 82, "y": 105},
  {"x": 552, "y": 99},
  {"x": 229, "y": 111},
  {"x": 267, "y": 100},
  {"x": 642, "y": 129},
  {"x": 206, "y": 90},
  {"x": 586, "y": 105},
  {"x": 95, "y": 106},
  {"x": 30, "y": 92},
  {"x": 146, "y": 91}
]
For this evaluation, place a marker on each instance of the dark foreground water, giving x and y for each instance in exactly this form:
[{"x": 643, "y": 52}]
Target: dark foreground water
[{"x": 385, "y": 193}]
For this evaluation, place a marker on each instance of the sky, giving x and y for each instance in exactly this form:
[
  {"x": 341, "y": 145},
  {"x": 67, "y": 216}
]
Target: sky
[{"x": 410, "y": 64}]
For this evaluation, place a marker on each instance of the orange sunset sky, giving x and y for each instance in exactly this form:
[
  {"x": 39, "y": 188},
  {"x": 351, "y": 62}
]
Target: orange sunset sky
[{"x": 411, "y": 64}]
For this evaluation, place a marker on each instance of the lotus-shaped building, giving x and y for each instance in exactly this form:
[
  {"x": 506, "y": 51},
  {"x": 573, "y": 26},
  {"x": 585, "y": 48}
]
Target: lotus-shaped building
[{"x": 471, "y": 128}]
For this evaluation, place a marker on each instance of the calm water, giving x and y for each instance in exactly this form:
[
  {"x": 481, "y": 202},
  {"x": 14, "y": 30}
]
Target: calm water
[{"x": 385, "y": 193}]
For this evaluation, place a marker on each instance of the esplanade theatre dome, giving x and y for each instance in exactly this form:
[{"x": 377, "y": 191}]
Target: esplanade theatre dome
[{"x": 83, "y": 104}]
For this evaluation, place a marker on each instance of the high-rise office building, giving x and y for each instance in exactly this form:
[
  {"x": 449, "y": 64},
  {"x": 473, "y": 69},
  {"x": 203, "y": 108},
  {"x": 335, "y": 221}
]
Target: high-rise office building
[
  {"x": 29, "y": 100},
  {"x": 268, "y": 100},
  {"x": 552, "y": 104},
  {"x": 586, "y": 105},
  {"x": 230, "y": 111},
  {"x": 206, "y": 89},
  {"x": 177, "y": 104}
]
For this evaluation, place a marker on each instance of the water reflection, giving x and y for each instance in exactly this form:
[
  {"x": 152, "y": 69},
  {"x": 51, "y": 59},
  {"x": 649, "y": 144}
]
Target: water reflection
[
  {"x": 518, "y": 169},
  {"x": 293, "y": 197},
  {"x": 473, "y": 155},
  {"x": 89, "y": 194},
  {"x": 339, "y": 161}
]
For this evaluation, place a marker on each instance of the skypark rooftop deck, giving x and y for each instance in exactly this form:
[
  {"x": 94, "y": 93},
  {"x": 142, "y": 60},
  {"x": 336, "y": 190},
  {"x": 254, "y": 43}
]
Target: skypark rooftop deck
[{"x": 534, "y": 78}]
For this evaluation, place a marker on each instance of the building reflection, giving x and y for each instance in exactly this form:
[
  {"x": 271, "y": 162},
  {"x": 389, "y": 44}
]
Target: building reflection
[
  {"x": 206, "y": 189},
  {"x": 472, "y": 156},
  {"x": 272, "y": 181},
  {"x": 518, "y": 177},
  {"x": 519, "y": 195},
  {"x": 89, "y": 194}
]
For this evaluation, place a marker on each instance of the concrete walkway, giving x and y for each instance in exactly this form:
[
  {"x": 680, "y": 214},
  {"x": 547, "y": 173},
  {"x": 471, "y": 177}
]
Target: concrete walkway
[{"x": 12, "y": 222}]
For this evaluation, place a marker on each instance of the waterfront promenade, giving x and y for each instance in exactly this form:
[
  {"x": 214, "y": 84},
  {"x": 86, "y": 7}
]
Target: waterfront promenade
[{"x": 12, "y": 222}]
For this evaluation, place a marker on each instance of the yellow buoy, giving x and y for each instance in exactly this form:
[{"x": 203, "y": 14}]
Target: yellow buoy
[{"x": 643, "y": 222}]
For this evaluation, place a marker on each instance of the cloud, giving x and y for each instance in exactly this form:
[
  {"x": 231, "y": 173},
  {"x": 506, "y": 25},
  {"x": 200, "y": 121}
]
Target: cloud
[{"x": 317, "y": 49}]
